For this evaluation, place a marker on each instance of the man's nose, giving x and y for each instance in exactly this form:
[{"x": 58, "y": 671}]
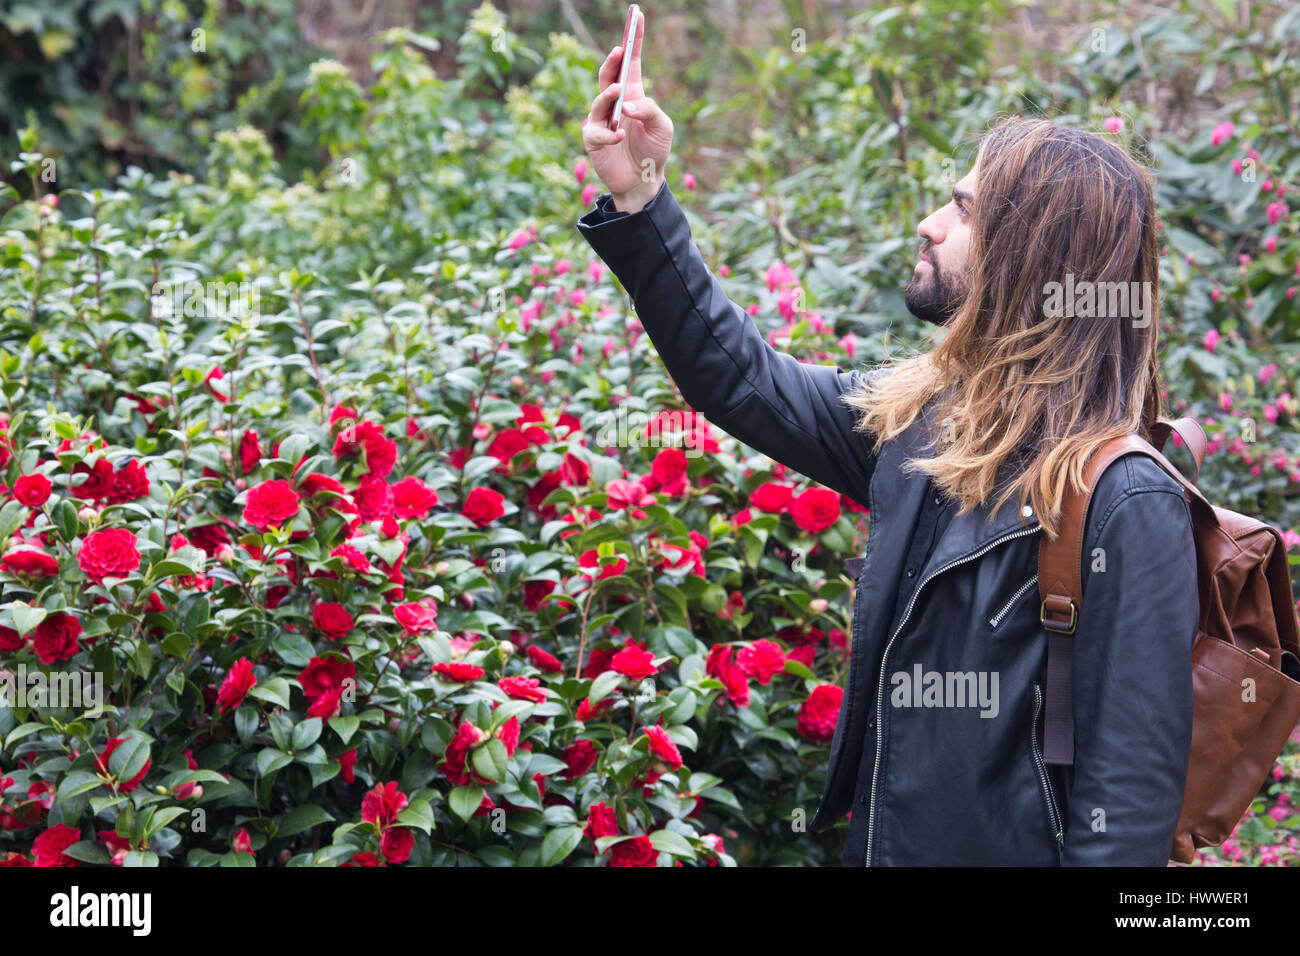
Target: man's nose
[{"x": 931, "y": 228}]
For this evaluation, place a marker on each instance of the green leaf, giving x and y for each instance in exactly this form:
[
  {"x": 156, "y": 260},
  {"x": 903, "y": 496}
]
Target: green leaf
[
  {"x": 270, "y": 760},
  {"x": 301, "y": 818},
  {"x": 275, "y": 691},
  {"x": 671, "y": 842},
  {"x": 306, "y": 733},
  {"x": 345, "y": 727},
  {"x": 602, "y": 686},
  {"x": 26, "y": 617},
  {"x": 559, "y": 843},
  {"x": 465, "y": 800},
  {"x": 128, "y": 759},
  {"x": 78, "y": 782},
  {"x": 65, "y": 519},
  {"x": 89, "y": 851},
  {"x": 491, "y": 760}
]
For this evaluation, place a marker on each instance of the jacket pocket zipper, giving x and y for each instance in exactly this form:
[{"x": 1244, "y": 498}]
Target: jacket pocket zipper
[
  {"x": 996, "y": 619},
  {"x": 1045, "y": 783}
]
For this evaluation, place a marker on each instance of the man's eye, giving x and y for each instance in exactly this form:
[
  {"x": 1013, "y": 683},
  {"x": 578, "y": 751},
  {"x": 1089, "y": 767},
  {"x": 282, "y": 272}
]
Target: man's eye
[{"x": 961, "y": 208}]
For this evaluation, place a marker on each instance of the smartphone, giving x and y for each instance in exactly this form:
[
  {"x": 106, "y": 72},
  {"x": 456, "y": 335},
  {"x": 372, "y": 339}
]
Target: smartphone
[{"x": 625, "y": 68}]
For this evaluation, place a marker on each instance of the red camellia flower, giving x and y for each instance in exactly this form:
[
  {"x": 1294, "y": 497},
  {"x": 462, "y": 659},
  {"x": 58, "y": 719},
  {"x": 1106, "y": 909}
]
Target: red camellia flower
[
  {"x": 49, "y": 846},
  {"x": 634, "y": 851},
  {"x": 32, "y": 490},
  {"x": 508, "y": 734},
  {"x": 332, "y": 619},
  {"x": 270, "y": 504},
  {"x": 544, "y": 661},
  {"x": 374, "y": 498},
  {"x": 10, "y": 640},
  {"x": 110, "y": 553},
  {"x": 455, "y": 756},
  {"x": 721, "y": 664},
  {"x": 361, "y": 859},
  {"x": 416, "y": 618},
  {"x": 483, "y": 506},
  {"x": 634, "y": 662},
  {"x": 601, "y": 822},
  {"x": 580, "y": 756},
  {"x": 56, "y": 637},
  {"x": 30, "y": 563},
  {"x": 668, "y": 472},
  {"x": 412, "y": 498},
  {"x": 458, "y": 671},
  {"x": 523, "y": 688},
  {"x": 368, "y": 438},
  {"x": 396, "y": 844},
  {"x": 129, "y": 483},
  {"x": 347, "y": 761},
  {"x": 382, "y": 803},
  {"x": 352, "y": 558},
  {"x": 125, "y": 786},
  {"x": 241, "y": 842},
  {"x": 761, "y": 660},
  {"x": 239, "y": 681},
  {"x": 250, "y": 451},
  {"x": 772, "y": 497},
  {"x": 587, "y": 712},
  {"x": 99, "y": 480},
  {"x": 662, "y": 746},
  {"x": 816, "y": 509},
  {"x": 818, "y": 714},
  {"x": 322, "y": 678},
  {"x": 506, "y": 444}
]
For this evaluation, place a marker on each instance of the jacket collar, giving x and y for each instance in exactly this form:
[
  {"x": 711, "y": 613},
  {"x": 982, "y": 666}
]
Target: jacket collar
[{"x": 966, "y": 534}]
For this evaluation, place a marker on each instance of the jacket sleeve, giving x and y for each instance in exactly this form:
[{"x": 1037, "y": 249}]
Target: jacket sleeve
[
  {"x": 723, "y": 366},
  {"x": 1132, "y": 678}
]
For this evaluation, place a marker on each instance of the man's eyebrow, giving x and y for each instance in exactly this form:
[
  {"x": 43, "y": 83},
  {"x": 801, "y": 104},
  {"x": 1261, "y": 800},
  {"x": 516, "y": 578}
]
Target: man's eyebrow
[{"x": 962, "y": 194}]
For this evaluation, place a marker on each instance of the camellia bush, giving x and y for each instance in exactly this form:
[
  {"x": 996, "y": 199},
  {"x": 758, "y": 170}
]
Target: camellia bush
[{"x": 353, "y": 521}]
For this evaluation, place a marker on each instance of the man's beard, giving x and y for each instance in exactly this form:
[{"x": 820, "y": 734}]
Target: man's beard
[{"x": 933, "y": 298}]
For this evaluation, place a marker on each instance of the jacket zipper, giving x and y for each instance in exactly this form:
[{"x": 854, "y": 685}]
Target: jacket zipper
[
  {"x": 884, "y": 661},
  {"x": 1052, "y": 812},
  {"x": 993, "y": 621}
]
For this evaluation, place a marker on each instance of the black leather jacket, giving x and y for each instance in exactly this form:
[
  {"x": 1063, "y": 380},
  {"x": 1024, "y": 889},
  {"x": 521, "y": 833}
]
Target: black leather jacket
[{"x": 952, "y": 784}]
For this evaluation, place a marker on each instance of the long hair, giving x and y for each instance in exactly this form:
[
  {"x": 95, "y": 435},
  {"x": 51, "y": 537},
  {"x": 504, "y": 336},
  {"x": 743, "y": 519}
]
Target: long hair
[{"x": 1025, "y": 385}]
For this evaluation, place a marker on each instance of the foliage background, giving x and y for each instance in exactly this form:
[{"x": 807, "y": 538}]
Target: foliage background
[{"x": 406, "y": 219}]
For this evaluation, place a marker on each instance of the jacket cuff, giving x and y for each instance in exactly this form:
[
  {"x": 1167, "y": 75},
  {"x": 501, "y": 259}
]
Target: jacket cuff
[{"x": 618, "y": 236}]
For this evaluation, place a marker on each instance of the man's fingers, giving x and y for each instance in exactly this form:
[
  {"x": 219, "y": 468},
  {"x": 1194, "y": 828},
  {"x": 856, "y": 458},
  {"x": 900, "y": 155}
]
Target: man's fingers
[
  {"x": 604, "y": 102},
  {"x": 634, "y": 74},
  {"x": 648, "y": 112},
  {"x": 609, "y": 69},
  {"x": 595, "y": 135}
]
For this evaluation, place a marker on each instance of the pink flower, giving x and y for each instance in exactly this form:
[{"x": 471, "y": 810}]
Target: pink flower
[
  {"x": 1114, "y": 124},
  {"x": 580, "y": 170},
  {"x": 688, "y": 181},
  {"x": 415, "y": 618},
  {"x": 1211, "y": 340},
  {"x": 1221, "y": 133}
]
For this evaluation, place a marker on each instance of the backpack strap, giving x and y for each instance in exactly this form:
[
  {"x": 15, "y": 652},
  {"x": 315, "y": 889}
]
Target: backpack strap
[{"x": 1060, "y": 578}]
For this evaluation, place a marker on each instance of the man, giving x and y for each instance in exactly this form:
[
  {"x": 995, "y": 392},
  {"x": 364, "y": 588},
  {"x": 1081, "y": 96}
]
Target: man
[{"x": 937, "y": 755}]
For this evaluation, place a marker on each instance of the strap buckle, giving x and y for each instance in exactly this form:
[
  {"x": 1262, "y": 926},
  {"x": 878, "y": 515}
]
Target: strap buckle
[{"x": 1059, "y": 627}]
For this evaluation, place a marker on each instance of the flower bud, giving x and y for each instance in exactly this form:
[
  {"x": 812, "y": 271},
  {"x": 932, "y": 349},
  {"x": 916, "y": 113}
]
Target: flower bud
[{"x": 818, "y": 605}]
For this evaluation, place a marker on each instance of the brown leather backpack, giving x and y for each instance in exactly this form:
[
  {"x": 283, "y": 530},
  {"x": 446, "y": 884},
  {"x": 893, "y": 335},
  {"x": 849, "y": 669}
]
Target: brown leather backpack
[{"x": 1247, "y": 632}]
